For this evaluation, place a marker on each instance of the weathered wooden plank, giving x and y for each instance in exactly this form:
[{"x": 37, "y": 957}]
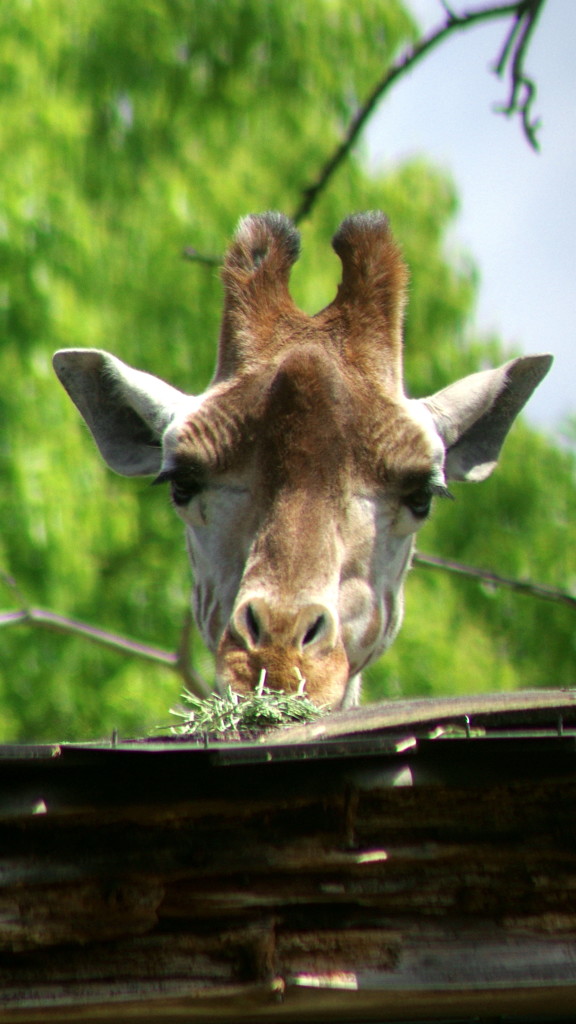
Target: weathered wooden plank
[
  {"x": 404, "y": 713},
  {"x": 184, "y": 884},
  {"x": 33, "y": 917},
  {"x": 439, "y": 976},
  {"x": 396, "y": 848}
]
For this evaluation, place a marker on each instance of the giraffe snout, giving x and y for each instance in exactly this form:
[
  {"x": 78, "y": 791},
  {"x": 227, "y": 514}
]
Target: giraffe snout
[{"x": 299, "y": 647}]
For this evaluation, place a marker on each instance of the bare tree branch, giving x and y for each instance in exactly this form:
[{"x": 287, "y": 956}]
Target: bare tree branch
[
  {"x": 538, "y": 590},
  {"x": 522, "y": 91},
  {"x": 194, "y": 256},
  {"x": 192, "y": 680},
  {"x": 72, "y": 627},
  {"x": 178, "y": 661},
  {"x": 524, "y": 13},
  {"x": 511, "y": 60}
]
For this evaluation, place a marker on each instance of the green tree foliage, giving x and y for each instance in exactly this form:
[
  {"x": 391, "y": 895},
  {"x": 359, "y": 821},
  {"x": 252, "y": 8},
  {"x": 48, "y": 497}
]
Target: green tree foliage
[{"x": 130, "y": 131}]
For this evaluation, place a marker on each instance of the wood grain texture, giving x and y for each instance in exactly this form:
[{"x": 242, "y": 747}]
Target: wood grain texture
[{"x": 406, "y": 878}]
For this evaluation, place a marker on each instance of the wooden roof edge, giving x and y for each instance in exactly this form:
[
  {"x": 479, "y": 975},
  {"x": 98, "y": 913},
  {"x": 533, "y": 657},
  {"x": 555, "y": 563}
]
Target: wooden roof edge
[
  {"x": 399, "y": 714},
  {"x": 516, "y": 707}
]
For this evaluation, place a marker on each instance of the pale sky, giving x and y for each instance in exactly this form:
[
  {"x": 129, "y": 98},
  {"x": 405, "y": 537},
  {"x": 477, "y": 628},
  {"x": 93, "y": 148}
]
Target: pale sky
[{"x": 517, "y": 207}]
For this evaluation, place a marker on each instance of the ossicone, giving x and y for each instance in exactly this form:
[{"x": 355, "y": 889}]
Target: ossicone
[
  {"x": 255, "y": 274},
  {"x": 267, "y": 243},
  {"x": 372, "y": 295},
  {"x": 372, "y": 264}
]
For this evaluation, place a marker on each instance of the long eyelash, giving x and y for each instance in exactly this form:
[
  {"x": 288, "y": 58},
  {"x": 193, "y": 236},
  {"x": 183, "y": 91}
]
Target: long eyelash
[
  {"x": 165, "y": 477},
  {"x": 183, "y": 485},
  {"x": 441, "y": 491}
]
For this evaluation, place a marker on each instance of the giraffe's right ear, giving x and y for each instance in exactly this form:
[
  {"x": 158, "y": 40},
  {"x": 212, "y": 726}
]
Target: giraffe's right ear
[
  {"x": 474, "y": 415},
  {"x": 126, "y": 410}
]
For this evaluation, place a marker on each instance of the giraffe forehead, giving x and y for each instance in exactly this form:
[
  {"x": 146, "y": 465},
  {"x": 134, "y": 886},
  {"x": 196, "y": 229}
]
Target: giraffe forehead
[
  {"x": 331, "y": 419},
  {"x": 309, "y": 420}
]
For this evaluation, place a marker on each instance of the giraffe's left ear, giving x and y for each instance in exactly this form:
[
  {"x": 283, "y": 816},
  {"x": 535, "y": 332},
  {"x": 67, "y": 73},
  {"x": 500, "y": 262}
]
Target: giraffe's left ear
[
  {"x": 126, "y": 410},
  {"x": 474, "y": 415}
]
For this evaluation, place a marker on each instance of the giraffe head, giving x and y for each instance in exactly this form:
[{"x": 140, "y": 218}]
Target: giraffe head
[{"x": 303, "y": 473}]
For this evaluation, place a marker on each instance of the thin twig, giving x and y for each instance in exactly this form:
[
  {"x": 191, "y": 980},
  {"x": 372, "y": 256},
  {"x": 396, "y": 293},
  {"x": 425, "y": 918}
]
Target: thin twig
[
  {"x": 522, "y": 88},
  {"x": 538, "y": 590},
  {"x": 179, "y": 660},
  {"x": 454, "y": 23},
  {"x": 522, "y": 11},
  {"x": 72, "y": 627},
  {"x": 192, "y": 680},
  {"x": 194, "y": 256}
]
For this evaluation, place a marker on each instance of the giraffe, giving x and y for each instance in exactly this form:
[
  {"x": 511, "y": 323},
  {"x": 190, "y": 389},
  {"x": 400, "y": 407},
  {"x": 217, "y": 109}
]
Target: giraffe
[{"x": 303, "y": 473}]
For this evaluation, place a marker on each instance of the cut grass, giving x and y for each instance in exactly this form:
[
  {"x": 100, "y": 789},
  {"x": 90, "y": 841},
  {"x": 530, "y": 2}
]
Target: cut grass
[{"x": 235, "y": 716}]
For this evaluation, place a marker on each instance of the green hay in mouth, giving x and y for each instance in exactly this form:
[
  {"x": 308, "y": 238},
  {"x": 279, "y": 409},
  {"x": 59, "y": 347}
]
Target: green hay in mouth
[{"x": 232, "y": 715}]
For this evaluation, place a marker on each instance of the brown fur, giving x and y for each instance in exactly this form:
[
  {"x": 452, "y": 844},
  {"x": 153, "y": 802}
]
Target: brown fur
[
  {"x": 311, "y": 389},
  {"x": 326, "y": 672},
  {"x": 309, "y": 408},
  {"x": 303, "y": 472},
  {"x": 363, "y": 323}
]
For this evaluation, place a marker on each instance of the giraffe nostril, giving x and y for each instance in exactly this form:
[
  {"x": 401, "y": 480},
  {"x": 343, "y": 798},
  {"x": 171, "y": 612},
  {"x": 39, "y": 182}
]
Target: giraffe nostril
[
  {"x": 253, "y": 624},
  {"x": 258, "y": 623},
  {"x": 314, "y": 630}
]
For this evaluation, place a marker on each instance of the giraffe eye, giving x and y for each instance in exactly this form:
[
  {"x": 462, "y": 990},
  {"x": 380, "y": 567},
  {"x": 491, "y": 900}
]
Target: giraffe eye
[
  {"x": 419, "y": 502},
  {"x": 183, "y": 486},
  {"x": 183, "y": 491}
]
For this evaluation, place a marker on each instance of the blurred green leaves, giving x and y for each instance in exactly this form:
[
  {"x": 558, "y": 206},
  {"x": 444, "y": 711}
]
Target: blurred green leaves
[{"x": 128, "y": 132}]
